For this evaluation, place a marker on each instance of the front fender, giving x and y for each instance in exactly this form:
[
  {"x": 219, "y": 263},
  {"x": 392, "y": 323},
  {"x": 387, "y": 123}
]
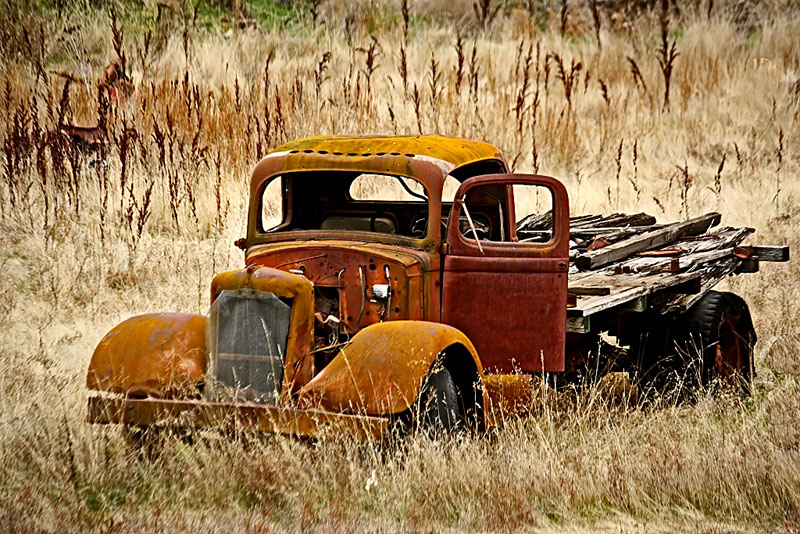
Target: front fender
[
  {"x": 381, "y": 371},
  {"x": 157, "y": 355}
]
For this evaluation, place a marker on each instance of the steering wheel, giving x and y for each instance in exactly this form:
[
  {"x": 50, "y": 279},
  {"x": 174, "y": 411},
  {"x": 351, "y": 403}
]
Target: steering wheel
[
  {"x": 377, "y": 215},
  {"x": 420, "y": 225},
  {"x": 482, "y": 226}
]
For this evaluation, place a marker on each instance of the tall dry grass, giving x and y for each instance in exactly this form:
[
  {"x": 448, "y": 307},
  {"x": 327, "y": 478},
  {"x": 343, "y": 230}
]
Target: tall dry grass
[{"x": 144, "y": 221}]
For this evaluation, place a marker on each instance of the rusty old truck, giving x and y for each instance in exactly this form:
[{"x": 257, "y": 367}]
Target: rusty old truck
[{"x": 417, "y": 279}]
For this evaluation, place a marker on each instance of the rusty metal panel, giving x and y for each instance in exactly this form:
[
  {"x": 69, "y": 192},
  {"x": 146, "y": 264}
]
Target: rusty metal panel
[
  {"x": 427, "y": 159},
  {"x": 508, "y": 395},
  {"x": 516, "y": 320},
  {"x": 313, "y": 151},
  {"x": 381, "y": 371},
  {"x": 352, "y": 270}
]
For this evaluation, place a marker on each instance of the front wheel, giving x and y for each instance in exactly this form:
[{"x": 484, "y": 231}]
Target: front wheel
[{"x": 437, "y": 409}]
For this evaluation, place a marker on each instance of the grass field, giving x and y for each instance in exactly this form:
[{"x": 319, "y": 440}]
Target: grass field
[{"x": 673, "y": 109}]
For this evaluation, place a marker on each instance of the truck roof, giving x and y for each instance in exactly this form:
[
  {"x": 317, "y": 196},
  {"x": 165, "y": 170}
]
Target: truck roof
[{"x": 382, "y": 153}]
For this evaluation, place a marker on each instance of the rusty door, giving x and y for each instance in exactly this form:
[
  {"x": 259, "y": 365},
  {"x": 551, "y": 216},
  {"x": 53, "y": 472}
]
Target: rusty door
[{"x": 507, "y": 293}]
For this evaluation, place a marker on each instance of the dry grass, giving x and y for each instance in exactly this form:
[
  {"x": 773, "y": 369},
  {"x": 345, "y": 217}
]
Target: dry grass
[{"x": 143, "y": 224}]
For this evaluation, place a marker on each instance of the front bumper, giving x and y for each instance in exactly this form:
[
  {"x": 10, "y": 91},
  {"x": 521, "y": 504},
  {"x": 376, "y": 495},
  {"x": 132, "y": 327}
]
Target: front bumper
[{"x": 228, "y": 416}]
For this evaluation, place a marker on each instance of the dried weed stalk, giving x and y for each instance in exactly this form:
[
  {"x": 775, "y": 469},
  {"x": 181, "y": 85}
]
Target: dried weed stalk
[
  {"x": 485, "y": 12},
  {"x": 667, "y": 53}
]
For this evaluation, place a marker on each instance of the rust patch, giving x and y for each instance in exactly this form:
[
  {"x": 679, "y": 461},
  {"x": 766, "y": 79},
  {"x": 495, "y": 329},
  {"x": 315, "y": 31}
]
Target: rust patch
[
  {"x": 597, "y": 244},
  {"x": 509, "y": 395},
  {"x": 261, "y": 417}
]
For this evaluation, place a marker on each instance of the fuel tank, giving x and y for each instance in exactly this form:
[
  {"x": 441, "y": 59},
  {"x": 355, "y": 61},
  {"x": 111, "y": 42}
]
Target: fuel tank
[{"x": 360, "y": 283}]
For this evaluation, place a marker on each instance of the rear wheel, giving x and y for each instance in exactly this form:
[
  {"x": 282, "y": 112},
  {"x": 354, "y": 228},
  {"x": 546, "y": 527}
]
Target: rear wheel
[
  {"x": 719, "y": 338},
  {"x": 710, "y": 345}
]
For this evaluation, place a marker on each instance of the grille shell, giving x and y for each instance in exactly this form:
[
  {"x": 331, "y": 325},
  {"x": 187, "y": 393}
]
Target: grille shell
[{"x": 248, "y": 331}]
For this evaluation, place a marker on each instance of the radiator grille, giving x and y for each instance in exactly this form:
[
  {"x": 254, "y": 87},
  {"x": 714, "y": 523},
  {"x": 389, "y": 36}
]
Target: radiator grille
[{"x": 248, "y": 337}]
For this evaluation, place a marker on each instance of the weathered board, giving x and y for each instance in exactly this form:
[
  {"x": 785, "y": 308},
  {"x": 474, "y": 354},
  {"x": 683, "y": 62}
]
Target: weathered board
[{"x": 631, "y": 263}]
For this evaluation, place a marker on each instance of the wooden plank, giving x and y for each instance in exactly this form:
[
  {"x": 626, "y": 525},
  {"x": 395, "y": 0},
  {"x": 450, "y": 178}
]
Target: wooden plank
[
  {"x": 694, "y": 253},
  {"x": 638, "y": 305},
  {"x": 647, "y": 264},
  {"x": 704, "y": 257},
  {"x": 660, "y": 253},
  {"x": 619, "y": 235},
  {"x": 712, "y": 274},
  {"x": 762, "y": 253},
  {"x": 748, "y": 266},
  {"x": 536, "y": 221},
  {"x": 690, "y": 287},
  {"x": 637, "y": 219},
  {"x": 588, "y": 290},
  {"x": 599, "y": 283},
  {"x": 592, "y": 231},
  {"x": 591, "y": 224},
  {"x": 583, "y": 220},
  {"x": 643, "y": 264},
  {"x": 630, "y": 288},
  {"x": 594, "y": 305},
  {"x": 648, "y": 240}
]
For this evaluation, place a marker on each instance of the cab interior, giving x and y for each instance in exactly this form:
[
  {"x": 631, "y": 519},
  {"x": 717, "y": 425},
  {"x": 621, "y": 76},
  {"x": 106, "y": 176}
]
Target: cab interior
[{"x": 380, "y": 203}]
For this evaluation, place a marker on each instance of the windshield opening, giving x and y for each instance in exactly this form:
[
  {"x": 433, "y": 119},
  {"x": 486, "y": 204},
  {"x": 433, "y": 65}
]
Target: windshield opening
[{"x": 344, "y": 201}]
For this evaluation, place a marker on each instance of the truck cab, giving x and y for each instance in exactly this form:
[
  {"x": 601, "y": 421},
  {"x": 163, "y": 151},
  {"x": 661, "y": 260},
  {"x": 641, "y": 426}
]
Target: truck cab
[{"x": 417, "y": 228}]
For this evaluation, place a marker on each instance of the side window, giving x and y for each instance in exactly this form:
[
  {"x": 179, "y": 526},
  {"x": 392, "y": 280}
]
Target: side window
[
  {"x": 533, "y": 210},
  {"x": 485, "y": 214},
  {"x": 272, "y": 205}
]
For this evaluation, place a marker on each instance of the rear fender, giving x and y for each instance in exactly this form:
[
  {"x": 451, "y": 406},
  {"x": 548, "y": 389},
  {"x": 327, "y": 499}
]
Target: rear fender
[
  {"x": 381, "y": 371},
  {"x": 157, "y": 355}
]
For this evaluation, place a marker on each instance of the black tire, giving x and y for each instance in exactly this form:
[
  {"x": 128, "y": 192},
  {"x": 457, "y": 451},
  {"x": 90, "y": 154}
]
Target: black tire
[
  {"x": 717, "y": 341},
  {"x": 437, "y": 410},
  {"x": 712, "y": 343}
]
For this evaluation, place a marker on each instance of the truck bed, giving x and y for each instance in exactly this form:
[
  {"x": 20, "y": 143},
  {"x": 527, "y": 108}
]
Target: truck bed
[{"x": 632, "y": 263}]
